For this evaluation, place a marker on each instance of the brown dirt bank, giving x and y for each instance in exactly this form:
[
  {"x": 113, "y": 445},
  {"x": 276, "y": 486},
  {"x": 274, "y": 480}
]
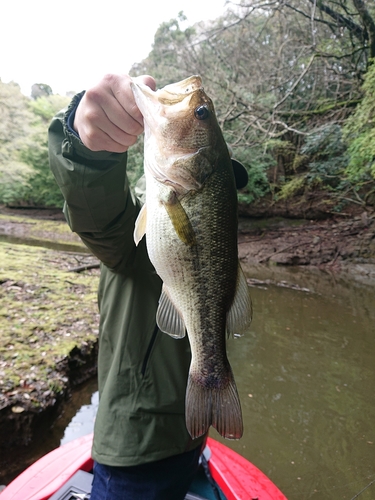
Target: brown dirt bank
[
  {"x": 28, "y": 435},
  {"x": 335, "y": 243},
  {"x": 309, "y": 231}
]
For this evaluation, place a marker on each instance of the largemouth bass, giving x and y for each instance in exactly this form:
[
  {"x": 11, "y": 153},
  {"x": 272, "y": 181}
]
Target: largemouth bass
[{"x": 190, "y": 222}]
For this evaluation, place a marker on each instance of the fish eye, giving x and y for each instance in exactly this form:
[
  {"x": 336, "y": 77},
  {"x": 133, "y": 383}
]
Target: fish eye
[{"x": 201, "y": 112}]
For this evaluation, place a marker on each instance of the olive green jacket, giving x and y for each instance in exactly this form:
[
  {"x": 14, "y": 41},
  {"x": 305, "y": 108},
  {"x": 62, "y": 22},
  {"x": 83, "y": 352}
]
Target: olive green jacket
[{"x": 142, "y": 372}]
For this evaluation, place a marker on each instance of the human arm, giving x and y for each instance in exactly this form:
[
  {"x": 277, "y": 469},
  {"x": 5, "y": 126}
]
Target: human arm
[{"x": 91, "y": 170}]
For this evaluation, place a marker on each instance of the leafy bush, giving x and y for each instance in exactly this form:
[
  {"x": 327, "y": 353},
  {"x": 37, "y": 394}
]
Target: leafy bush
[
  {"x": 46, "y": 107},
  {"x": 320, "y": 162},
  {"x": 256, "y": 162},
  {"x": 25, "y": 176},
  {"x": 14, "y": 177},
  {"x": 134, "y": 167},
  {"x": 42, "y": 189},
  {"x": 327, "y": 155},
  {"x": 292, "y": 188},
  {"x": 359, "y": 133}
]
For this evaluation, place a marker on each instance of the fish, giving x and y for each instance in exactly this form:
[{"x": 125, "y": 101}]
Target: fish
[{"x": 190, "y": 222}]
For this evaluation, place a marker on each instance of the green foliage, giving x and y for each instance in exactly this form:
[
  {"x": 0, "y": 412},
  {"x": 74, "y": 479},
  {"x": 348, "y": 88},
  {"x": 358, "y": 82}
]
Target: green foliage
[
  {"x": 280, "y": 146},
  {"x": 14, "y": 178},
  {"x": 42, "y": 189},
  {"x": 166, "y": 61},
  {"x": 15, "y": 126},
  {"x": 16, "y": 120},
  {"x": 293, "y": 187},
  {"x": 257, "y": 162},
  {"x": 362, "y": 157},
  {"x": 284, "y": 77},
  {"x": 25, "y": 177},
  {"x": 47, "y": 107},
  {"x": 134, "y": 168},
  {"x": 283, "y": 85},
  {"x": 359, "y": 133},
  {"x": 327, "y": 156},
  {"x": 320, "y": 162}
]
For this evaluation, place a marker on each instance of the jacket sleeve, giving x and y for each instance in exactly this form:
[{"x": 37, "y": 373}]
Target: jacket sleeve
[{"x": 99, "y": 205}]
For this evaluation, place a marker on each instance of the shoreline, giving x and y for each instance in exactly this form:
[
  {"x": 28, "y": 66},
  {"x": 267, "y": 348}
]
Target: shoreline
[{"x": 340, "y": 246}]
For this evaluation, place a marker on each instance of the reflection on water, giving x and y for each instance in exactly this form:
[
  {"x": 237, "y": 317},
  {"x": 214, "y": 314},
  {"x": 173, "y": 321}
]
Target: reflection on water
[
  {"x": 306, "y": 377},
  {"x": 83, "y": 421}
]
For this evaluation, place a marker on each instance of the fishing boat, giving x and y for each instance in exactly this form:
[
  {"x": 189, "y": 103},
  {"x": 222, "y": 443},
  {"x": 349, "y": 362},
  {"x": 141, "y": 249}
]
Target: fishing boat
[{"x": 66, "y": 474}]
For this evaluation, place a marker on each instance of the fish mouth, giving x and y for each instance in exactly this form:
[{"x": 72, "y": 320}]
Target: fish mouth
[
  {"x": 170, "y": 94},
  {"x": 167, "y": 96},
  {"x": 175, "y": 101},
  {"x": 176, "y": 92}
]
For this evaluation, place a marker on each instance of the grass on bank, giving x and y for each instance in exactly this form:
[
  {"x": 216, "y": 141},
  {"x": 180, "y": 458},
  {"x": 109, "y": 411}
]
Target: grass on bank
[{"x": 45, "y": 312}]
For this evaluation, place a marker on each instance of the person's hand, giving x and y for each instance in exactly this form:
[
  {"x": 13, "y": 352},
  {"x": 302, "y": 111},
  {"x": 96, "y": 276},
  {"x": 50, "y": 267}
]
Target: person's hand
[{"x": 107, "y": 118}]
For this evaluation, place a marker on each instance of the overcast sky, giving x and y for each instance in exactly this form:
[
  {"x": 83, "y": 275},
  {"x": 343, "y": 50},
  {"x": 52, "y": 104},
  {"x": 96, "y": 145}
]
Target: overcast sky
[{"x": 71, "y": 44}]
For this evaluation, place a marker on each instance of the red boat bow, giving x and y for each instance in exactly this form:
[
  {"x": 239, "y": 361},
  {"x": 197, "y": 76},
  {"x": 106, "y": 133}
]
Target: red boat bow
[{"x": 237, "y": 477}]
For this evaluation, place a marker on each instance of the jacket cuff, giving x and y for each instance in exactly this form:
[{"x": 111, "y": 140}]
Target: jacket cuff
[{"x": 71, "y": 113}]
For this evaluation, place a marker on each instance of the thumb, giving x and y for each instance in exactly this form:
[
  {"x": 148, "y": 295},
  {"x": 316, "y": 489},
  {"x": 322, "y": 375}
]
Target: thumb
[{"x": 146, "y": 80}]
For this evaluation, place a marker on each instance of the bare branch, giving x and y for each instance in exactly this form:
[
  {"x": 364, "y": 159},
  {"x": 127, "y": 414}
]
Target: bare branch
[
  {"x": 295, "y": 83},
  {"x": 290, "y": 129},
  {"x": 313, "y": 24},
  {"x": 341, "y": 20}
]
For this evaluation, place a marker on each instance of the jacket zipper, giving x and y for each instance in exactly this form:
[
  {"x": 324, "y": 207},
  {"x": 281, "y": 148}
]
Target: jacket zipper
[{"x": 149, "y": 349}]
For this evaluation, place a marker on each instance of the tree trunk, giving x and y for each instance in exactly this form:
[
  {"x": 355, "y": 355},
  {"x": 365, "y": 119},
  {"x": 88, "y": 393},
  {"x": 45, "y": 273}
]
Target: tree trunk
[{"x": 368, "y": 23}]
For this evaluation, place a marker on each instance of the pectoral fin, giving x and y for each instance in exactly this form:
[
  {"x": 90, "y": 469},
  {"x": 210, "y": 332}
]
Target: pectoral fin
[
  {"x": 240, "y": 314},
  {"x": 168, "y": 318},
  {"x": 178, "y": 217},
  {"x": 140, "y": 225}
]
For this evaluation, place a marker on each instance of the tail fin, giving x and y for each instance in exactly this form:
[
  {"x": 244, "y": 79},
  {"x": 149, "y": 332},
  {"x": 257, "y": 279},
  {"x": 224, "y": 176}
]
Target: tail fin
[{"x": 217, "y": 406}]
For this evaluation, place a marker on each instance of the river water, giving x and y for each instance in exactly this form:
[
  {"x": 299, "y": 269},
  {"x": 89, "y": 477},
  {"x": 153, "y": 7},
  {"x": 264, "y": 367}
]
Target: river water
[{"x": 306, "y": 376}]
